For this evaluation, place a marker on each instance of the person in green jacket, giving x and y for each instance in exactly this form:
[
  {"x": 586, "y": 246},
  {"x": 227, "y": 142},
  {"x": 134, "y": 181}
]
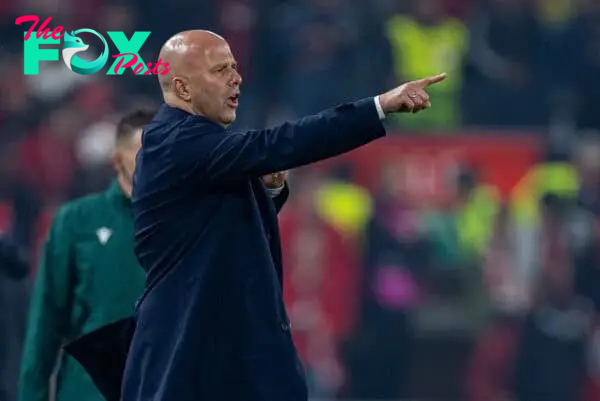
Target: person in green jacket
[{"x": 88, "y": 277}]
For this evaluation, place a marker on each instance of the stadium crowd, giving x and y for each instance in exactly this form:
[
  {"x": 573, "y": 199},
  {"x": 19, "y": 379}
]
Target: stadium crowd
[{"x": 455, "y": 261}]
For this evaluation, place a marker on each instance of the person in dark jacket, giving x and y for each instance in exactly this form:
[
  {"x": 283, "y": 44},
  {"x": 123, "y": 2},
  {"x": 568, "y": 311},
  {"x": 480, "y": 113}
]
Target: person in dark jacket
[
  {"x": 14, "y": 263},
  {"x": 212, "y": 324},
  {"x": 551, "y": 358},
  {"x": 14, "y": 269}
]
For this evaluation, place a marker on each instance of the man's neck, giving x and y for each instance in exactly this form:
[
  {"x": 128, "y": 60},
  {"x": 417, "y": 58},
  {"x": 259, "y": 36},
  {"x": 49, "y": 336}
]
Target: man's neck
[{"x": 177, "y": 103}]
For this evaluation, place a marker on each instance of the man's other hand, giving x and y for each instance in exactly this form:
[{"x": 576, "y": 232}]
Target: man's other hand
[
  {"x": 410, "y": 97},
  {"x": 275, "y": 180}
]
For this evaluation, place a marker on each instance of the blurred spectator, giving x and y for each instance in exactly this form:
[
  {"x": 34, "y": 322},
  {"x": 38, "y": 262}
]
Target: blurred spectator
[
  {"x": 46, "y": 158},
  {"x": 313, "y": 43},
  {"x": 586, "y": 163},
  {"x": 428, "y": 42},
  {"x": 592, "y": 387},
  {"x": 14, "y": 267},
  {"x": 20, "y": 110},
  {"x": 502, "y": 86},
  {"x": 586, "y": 64},
  {"x": 461, "y": 229},
  {"x": 558, "y": 48},
  {"x": 491, "y": 367},
  {"x": 93, "y": 149},
  {"x": 320, "y": 286},
  {"x": 14, "y": 262},
  {"x": 374, "y": 67},
  {"x": 93, "y": 145},
  {"x": 395, "y": 257},
  {"x": 583, "y": 225},
  {"x": 505, "y": 275},
  {"x": 343, "y": 204},
  {"x": 20, "y": 203},
  {"x": 551, "y": 362}
]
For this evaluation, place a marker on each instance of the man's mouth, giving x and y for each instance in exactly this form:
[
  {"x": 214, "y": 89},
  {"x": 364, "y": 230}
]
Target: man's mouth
[{"x": 233, "y": 100}]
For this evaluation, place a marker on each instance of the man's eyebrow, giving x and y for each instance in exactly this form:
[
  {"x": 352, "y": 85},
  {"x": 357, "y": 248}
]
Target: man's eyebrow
[{"x": 225, "y": 64}]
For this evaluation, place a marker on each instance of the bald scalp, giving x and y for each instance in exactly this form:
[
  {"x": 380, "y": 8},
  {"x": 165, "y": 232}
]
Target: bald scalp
[{"x": 181, "y": 51}]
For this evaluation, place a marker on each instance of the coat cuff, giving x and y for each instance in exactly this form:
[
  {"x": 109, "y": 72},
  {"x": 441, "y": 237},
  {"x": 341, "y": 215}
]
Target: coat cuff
[{"x": 274, "y": 192}]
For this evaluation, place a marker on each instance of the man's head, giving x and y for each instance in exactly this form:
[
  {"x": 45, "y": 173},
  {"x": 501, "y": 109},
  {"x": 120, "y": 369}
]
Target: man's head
[
  {"x": 127, "y": 143},
  {"x": 203, "y": 78}
]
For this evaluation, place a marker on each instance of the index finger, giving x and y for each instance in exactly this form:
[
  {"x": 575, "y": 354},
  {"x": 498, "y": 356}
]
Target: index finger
[{"x": 432, "y": 80}]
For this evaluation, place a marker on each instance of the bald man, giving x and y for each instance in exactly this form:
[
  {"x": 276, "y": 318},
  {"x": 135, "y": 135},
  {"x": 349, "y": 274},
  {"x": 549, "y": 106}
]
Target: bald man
[{"x": 212, "y": 325}]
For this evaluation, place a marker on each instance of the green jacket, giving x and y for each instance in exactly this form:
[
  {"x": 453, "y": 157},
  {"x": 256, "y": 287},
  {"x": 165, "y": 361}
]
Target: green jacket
[{"x": 88, "y": 277}]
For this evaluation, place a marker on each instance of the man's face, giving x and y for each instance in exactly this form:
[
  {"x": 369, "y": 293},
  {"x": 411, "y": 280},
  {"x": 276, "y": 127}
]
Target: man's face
[
  {"x": 129, "y": 151},
  {"x": 124, "y": 159},
  {"x": 215, "y": 85}
]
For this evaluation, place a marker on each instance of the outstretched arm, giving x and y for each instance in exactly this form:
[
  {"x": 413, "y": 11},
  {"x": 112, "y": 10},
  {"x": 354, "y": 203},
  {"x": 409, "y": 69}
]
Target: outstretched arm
[{"x": 208, "y": 153}]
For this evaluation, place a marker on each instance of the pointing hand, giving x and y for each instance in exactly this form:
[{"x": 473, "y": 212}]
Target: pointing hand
[{"x": 410, "y": 97}]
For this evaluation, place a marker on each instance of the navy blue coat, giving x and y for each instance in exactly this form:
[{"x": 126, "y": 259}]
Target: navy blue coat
[{"x": 212, "y": 325}]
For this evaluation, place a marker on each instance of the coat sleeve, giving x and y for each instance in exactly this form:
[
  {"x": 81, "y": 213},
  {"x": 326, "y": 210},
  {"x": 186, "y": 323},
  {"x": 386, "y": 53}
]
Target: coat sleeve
[
  {"x": 218, "y": 156},
  {"x": 49, "y": 313}
]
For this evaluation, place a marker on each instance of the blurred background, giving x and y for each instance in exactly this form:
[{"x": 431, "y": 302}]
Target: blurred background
[{"x": 457, "y": 260}]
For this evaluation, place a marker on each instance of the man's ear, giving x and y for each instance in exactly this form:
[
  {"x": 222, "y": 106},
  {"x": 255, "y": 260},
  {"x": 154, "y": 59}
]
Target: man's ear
[
  {"x": 117, "y": 161},
  {"x": 181, "y": 89}
]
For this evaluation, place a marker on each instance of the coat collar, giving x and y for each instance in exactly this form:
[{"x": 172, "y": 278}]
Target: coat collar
[{"x": 167, "y": 112}]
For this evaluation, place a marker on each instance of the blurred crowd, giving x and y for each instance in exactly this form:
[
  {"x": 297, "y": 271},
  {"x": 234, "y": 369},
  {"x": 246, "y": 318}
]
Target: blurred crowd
[{"x": 456, "y": 261}]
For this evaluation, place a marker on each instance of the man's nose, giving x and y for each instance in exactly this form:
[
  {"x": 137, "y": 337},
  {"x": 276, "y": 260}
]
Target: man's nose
[{"x": 236, "y": 79}]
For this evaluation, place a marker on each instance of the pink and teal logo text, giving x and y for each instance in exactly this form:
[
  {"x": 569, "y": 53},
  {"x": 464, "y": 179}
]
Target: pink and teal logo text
[{"x": 128, "y": 56}]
